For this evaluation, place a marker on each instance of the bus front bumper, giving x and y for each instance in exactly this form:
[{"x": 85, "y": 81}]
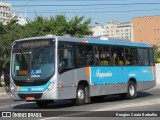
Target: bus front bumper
[{"x": 33, "y": 96}]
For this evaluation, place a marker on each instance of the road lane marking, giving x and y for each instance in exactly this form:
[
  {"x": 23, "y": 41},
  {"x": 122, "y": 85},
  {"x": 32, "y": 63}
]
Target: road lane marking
[
  {"x": 113, "y": 107},
  {"x": 121, "y": 106},
  {"x": 133, "y": 104},
  {"x": 66, "y": 115}
]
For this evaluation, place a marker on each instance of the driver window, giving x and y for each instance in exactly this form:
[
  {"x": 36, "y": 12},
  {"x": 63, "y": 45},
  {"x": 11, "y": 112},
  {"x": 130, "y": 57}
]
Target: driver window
[{"x": 65, "y": 62}]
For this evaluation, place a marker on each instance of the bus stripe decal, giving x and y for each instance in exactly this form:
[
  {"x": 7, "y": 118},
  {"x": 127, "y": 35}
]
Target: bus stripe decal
[{"x": 87, "y": 71}]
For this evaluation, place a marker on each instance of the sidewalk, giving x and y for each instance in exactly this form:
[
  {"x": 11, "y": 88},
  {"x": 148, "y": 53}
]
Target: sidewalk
[
  {"x": 2, "y": 91},
  {"x": 4, "y": 94}
]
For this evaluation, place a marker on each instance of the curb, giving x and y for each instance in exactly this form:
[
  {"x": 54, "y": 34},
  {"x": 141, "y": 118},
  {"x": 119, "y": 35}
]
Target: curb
[{"x": 5, "y": 96}]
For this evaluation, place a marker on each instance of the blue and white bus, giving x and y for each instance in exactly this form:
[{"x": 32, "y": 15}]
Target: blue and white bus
[{"x": 50, "y": 68}]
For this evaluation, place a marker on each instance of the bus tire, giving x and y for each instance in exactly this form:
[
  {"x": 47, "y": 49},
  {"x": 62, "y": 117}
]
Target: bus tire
[
  {"x": 131, "y": 90},
  {"x": 80, "y": 95},
  {"x": 42, "y": 104}
]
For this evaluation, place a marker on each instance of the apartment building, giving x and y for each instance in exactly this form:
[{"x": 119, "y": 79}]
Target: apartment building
[
  {"x": 5, "y": 12},
  {"x": 99, "y": 30},
  {"x": 119, "y": 30},
  {"x": 147, "y": 29},
  {"x": 114, "y": 30}
]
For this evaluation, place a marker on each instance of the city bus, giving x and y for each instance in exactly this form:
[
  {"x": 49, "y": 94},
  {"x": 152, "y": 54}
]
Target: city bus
[{"x": 50, "y": 68}]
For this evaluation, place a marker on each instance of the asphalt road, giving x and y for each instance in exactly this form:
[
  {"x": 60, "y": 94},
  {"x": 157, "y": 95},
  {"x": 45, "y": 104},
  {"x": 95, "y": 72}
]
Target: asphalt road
[{"x": 147, "y": 102}]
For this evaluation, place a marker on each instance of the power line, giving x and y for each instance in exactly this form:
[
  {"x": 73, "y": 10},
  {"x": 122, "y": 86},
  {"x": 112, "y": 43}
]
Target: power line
[
  {"x": 64, "y": 0},
  {"x": 94, "y": 11},
  {"x": 119, "y": 4},
  {"x": 80, "y": 9}
]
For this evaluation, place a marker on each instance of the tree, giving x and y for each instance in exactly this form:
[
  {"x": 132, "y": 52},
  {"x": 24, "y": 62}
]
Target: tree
[
  {"x": 8, "y": 33},
  {"x": 40, "y": 26},
  {"x": 76, "y": 27},
  {"x": 58, "y": 25},
  {"x": 156, "y": 53}
]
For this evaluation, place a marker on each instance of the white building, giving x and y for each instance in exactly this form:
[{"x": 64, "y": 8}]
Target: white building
[
  {"x": 20, "y": 16},
  {"x": 119, "y": 30},
  {"x": 5, "y": 12},
  {"x": 98, "y": 30},
  {"x": 114, "y": 30}
]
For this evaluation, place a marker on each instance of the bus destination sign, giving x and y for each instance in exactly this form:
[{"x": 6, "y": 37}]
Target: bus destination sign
[{"x": 34, "y": 44}]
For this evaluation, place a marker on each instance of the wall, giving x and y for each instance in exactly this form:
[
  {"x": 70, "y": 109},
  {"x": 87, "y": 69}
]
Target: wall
[
  {"x": 147, "y": 29},
  {"x": 157, "y": 74}
]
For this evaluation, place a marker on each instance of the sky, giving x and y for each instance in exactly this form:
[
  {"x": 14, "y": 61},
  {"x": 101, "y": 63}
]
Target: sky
[{"x": 100, "y": 11}]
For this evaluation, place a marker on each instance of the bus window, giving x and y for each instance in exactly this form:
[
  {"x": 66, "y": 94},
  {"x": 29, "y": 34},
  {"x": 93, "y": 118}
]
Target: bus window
[
  {"x": 97, "y": 59},
  {"x": 131, "y": 56},
  {"x": 65, "y": 62},
  {"x": 143, "y": 57},
  {"x": 104, "y": 55},
  {"x": 117, "y": 55},
  {"x": 85, "y": 55},
  {"x": 151, "y": 56}
]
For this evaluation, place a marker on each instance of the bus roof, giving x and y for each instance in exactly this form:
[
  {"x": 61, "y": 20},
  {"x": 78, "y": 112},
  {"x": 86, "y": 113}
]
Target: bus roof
[{"x": 92, "y": 40}]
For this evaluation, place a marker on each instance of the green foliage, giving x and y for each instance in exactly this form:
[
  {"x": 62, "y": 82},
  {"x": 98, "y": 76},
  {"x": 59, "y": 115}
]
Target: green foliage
[
  {"x": 58, "y": 25},
  {"x": 40, "y": 26},
  {"x": 156, "y": 52}
]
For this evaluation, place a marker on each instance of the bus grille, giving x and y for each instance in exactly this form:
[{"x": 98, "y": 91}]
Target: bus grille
[{"x": 34, "y": 83}]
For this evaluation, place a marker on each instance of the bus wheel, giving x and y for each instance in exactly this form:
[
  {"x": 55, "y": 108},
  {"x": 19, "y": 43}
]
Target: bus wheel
[
  {"x": 80, "y": 97},
  {"x": 42, "y": 104},
  {"x": 132, "y": 92}
]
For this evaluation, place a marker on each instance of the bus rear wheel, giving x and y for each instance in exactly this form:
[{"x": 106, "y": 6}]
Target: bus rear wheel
[
  {"x": 132, "y": 90},
  {"x": 42, "y": 103}
]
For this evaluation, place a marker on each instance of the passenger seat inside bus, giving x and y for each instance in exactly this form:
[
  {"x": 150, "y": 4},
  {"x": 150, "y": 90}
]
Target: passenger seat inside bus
[
  {"x": 120, "y": 62},
  {"x": 105, "y": 62}
]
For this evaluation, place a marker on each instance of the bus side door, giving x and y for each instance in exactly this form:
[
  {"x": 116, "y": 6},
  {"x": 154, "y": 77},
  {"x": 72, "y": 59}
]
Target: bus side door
[{"x": 66, "y": 81}]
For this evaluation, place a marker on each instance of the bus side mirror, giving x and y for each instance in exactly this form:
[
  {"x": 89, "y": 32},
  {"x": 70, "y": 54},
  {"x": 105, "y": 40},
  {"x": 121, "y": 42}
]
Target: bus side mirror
[{"x": 65, "y": 54}]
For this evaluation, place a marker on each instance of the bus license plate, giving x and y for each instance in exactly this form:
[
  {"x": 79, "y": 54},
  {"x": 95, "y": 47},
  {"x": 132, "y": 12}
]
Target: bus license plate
[{"x": 30, "y": 98}]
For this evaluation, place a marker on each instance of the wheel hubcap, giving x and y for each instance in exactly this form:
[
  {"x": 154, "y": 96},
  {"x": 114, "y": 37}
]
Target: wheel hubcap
[
  {"x": 131, "y": 90},
  {"x": 80, "y": 94}
]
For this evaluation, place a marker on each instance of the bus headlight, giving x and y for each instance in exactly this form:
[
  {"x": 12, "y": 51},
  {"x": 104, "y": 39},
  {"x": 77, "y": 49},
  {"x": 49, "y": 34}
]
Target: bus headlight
[
  {"x": 50, "y": 87},
  {"x": 12, "y": 87}
]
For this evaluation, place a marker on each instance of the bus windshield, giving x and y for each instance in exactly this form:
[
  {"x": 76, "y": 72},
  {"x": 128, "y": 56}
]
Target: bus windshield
[{"x": 33, "y": 63}]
